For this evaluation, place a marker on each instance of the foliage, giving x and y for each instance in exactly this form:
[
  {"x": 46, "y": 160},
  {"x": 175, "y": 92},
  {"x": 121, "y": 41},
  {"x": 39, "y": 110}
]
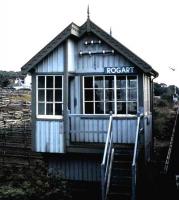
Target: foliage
[
  {"x": 5, "y": 77},
  {"x": 31, "y": 183},
  {"x": 163, "y": 111}
]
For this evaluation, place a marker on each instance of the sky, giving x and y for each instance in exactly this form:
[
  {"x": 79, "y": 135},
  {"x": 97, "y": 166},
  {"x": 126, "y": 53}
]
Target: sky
[{"x": 149, "y": 28}]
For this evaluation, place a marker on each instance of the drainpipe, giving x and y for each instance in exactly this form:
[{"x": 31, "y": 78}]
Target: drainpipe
[{"x": 152, "y": 109}]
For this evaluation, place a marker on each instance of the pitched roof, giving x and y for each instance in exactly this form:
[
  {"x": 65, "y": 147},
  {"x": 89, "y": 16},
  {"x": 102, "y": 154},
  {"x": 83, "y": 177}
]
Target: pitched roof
[{"x": 88, "y": 26}]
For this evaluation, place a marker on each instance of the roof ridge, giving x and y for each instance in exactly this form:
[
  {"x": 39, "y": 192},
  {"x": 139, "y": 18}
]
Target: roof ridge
[
  {"x": 47, "y": 48},
  {"x": 78, "y": 31}
]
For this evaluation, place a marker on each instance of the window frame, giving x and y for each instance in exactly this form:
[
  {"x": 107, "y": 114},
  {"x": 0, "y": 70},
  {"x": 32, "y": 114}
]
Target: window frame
[
  {"x": 53, "y": 102},
  {"x": 115, "y": 88}
]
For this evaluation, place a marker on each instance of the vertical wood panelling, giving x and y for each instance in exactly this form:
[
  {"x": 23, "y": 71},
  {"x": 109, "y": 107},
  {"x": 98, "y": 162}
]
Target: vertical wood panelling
[
  {"x": 48, "y": 136},
  {"x": 148, "y": 135},
  {"x": 97, "y": 62},
  {"x": 76, "y": 169},
  {"x": 95, "y": 130},
  {"x": 54, "y": 62}
]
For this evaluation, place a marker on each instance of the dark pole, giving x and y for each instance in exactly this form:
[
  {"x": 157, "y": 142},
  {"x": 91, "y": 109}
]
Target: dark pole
[{"x": 65, "y": 95}]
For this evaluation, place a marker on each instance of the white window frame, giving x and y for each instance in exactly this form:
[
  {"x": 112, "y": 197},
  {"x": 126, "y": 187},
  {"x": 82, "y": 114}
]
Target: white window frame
[
  {"x": 45, "y": 116},
  {"x": 115, "y": 94}
]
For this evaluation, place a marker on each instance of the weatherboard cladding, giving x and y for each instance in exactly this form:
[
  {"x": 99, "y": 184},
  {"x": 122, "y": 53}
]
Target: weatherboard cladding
[
  {"x": 148, "y": 136},
  {"x": 78, "y": 32},
  {"x": 83, "y": 169},
  {"x": 95, "y": 130},
  {"x": 98, "y": 60},
  {"x": 48, "y": 136},
  {"x": 54, "y": 62}
]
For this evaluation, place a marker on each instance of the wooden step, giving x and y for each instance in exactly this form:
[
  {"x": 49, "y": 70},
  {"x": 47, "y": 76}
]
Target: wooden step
[
  {"x": 121, "y": 172},
  {"x": 125, "y": 180},
  {"x": 121, "y": 188},
  {"x": 119, "y": 196},
  {"x": 122, "y": 164}
]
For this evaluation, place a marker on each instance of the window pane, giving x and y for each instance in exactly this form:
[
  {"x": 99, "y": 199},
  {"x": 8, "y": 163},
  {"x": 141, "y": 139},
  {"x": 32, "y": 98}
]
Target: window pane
[
  {"x": 49, "y": 81},
  {"x": 58, "y": 95},
  {"x": 99, "y": 108},
  {"x": 41, "y": 82},
  {"x": 121, "y": 95},
  {"x": 41, "y": 95},
  {"x": 49, "y": 109},
  {"x": 121, "y": 108},
  {"x": 99, "y": 95},
  {"x": 88, "y": 82},
  {"x": 58, "y": 82},
  {"x": 89, "y": 108},
  {"x": 41, "y": 108},
  {"x": 49, "y": 95},
  {"x": 132, "y": 108},
  {"x": 109, "y": 81},
  {"x": 109, "y": 95},
  {"x": 132, "y": 94},
  {"x": 88, "y": 95},
  {"x": 121, "y": 81},
  {"x": 132, "y": 81},
  {"x": 58, "y": 109},
  {"x": 109, "y": 107},
  {"x": 98, "y": 82}
]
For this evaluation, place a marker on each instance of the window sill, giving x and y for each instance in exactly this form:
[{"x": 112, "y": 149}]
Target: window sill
[{"x": 49, "y": 117}]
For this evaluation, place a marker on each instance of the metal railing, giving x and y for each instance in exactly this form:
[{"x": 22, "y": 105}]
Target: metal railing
[
  {"x": 135, "y": 156},
  {"x": 170, "y": 149},
  {"x": 106, "y": 164}
]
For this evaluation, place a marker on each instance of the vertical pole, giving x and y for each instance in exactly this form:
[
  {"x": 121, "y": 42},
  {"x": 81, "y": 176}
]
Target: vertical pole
[
  {"x": 65, "y": 96},
  {"x": 102, "y": 181},
  {"x": 133, "y": 197}
]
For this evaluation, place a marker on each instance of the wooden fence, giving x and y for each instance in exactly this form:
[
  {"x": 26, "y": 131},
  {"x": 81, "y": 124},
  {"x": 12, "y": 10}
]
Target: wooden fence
[{"x": 15, "y": 146}]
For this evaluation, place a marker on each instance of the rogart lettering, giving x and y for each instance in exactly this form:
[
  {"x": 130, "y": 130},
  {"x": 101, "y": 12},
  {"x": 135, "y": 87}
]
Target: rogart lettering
[{"x": 119, "y": 70}]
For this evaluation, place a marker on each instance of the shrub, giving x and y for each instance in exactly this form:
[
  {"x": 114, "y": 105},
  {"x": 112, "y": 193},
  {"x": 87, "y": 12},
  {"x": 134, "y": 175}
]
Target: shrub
[{"x": 31, "y": 183}]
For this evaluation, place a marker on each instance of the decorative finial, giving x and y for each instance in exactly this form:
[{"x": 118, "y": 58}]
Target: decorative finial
[
  {"x": 88, "y": 13},
  {"x": 110, "y": 32}
]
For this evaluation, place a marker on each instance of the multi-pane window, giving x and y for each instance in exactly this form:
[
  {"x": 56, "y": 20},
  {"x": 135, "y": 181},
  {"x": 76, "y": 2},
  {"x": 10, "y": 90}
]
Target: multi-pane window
[
  {"x": 49, "y": 95},
  {"x": 103, "y": 94}
]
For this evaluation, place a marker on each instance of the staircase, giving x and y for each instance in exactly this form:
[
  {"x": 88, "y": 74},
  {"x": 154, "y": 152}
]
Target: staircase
[{"x": 121, "y": 175}]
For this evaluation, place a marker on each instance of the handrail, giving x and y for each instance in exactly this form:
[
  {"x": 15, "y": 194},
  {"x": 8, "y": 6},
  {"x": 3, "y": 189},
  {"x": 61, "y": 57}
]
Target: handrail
[
  {"x": 106, "y": 164},
  {"x": 135, "y": 157},
  {"x": 168, "y": 158}
]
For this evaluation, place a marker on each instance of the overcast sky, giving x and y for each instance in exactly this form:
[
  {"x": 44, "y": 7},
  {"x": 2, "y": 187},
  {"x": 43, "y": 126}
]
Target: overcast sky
[{"x": 150, "y": 28}]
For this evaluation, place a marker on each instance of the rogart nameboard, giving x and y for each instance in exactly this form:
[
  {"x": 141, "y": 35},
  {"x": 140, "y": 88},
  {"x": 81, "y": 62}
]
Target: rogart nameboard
[{"x": 119, "y": 70}]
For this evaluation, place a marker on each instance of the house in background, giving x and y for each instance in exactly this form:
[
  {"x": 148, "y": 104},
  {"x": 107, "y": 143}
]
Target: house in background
[
  {"x": 87, "y": 92},
  {"x": 22, "y": 84}
]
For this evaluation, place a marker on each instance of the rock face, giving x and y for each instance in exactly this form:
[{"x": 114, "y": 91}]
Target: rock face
[{"x": 15, "y": 107}]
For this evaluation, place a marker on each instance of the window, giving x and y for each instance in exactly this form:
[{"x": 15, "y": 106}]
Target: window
[
  {"x": 102, "y": 94},
  {"x": 49, "y": 95}
]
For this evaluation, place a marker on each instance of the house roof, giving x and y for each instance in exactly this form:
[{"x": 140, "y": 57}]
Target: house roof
[{"x": 88, "y": 26}]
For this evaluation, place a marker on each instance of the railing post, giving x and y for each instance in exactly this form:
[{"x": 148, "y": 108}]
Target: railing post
[
  {"x": 133, "y": 196},
  {"x": 107, "y": 159},
  {"x": 102, "y": 181},
  {"x": 111, "y": 127}
]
